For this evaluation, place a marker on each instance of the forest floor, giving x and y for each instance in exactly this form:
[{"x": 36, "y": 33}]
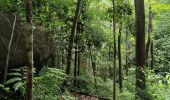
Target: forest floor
[{"x": 85, "y": 96}]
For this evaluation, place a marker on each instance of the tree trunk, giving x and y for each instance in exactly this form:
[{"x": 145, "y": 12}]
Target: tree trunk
[
  {"x": 119, "y": 58},
  {"x": 29, "y": 48},
  {"x": 94, "y": 69},
  {"x": 127, "y": 51},
  {"x": 75, "y": 66},
  {"x": 62, "y": 59},
  {"x": 152, "y": 57},
  {"x": 140, "y": 48},
  {"x": 9, "y": 50},
  {"x": 78, "y": 69},
  {"x": 115, "y": 53},
  {"x": 149, "y": 35},
  {"x": 71, "y": 39}
]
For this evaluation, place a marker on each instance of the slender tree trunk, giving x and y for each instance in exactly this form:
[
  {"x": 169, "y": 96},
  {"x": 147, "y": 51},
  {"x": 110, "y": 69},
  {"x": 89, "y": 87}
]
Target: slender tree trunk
[
  {"x": 127, "y": 51},
  {"x": 71, "y": 39},
  {"x": 140, "y": 48},
  {"x": 78, "y": 69},
  {"x": 152, "y": 57},
  {"x": 149, "y": 35},
  {"x": 62, "y": 59},
  {"x": 110, "y": 68},
  {"x": 119, "y": 58},
  {"x": 75, "y": 66},
  {"x": 115, "y": 53},
  {"x": 9, "y": 50},
  {"x": 94, "y": 69},
  {"x": 29, "y": 48}
]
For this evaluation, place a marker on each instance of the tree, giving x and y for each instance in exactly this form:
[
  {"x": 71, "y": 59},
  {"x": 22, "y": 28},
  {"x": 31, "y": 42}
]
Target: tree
[
  {"x": 75, "y": 64},
  {"x": 140, "y": 48},
  {"x": 29, "y": 47},
  {"x": 127, "y": 49},
  {"x": 115, "y": 53},
  {"x": 119, "y": 57},
  {"x": 71, "y": 38},
  {"x": 149, "y": 35}
]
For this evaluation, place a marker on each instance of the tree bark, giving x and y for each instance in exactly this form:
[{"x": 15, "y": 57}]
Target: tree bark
[
  {"x": 78, "y": 69},
  {"x": 9, "y": 50},
  {"x": 152, "y": 57},
  {"x": 140, "y": 48},
  {"x": 115, "y": 53},
  {"x": 94, "y": 69},
  {"x": 149, "y": 35},
  {"x": 127, "y": 51},
  {"x": 29, "y": 48},
  {"x": 120, "y": 59},
  {"x": 75, "y": 66},
  {"x": 71, "y": 39},
  {"x": 62, "y": 59}
]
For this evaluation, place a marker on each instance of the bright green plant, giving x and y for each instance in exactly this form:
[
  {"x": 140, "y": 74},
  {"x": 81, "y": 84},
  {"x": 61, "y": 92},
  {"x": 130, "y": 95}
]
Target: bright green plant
[{"x": 48, "y": 85}]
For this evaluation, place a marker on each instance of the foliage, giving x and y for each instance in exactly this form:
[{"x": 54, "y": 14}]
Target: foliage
[
  {"x": 158, "y": 87},
  {"x": 87, "y": 85},
  {"x": 16, "y": 79},
  {"x": 161, "y": 36},
  {"x": 48, "y": 85}
]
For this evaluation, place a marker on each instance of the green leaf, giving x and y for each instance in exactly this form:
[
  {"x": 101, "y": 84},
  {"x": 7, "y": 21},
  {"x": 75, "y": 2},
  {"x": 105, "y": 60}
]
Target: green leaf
[
  {"x": 17, "y": 85},
  {"x": 12, "y": 80},
  {"x": 14, "y": 74}
]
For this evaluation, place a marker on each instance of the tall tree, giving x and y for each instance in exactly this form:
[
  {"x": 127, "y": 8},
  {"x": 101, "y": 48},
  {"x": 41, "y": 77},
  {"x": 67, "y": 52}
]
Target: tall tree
[
  {"x": 29, "y": 47},
  {"x": 152, "y": 57},
  {"x": 94, "y": 68},
  {"x": 127, "y": 50},
  {"x": 75, "y": 64},
  {"x": 127, "y": 43},
  {"x": 115, "y": 53},
  {"x": 71, "y": 38},
  {"x": 149, "y": 35},
  {"x": 140, "y": 48},
  {"x": 119, "y": 58}
]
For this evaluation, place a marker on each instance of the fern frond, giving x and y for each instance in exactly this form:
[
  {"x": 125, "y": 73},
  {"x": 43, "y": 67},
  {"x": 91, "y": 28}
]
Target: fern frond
[
  {"x": 14, "y": 74},
  {"x": 12, "y": 80},
  {"x": 15, "y": 69},
  {"x": 18, "y": 85}
]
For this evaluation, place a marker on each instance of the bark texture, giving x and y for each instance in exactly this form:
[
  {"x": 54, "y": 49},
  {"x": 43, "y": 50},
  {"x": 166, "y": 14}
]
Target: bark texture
[
  {"x": 148, "y": 45},
  {"x": 115, "y": 53},
  {"x": 140, "y": 48},
  {"x": 120, "y": 59},
  {"x": 29, "y": 48}
]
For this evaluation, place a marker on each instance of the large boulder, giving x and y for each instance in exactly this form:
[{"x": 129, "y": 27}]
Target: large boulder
[{"x": 43, "y": 44}]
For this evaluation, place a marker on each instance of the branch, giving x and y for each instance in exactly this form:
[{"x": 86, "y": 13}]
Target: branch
[{"x": 9, "y": 50}]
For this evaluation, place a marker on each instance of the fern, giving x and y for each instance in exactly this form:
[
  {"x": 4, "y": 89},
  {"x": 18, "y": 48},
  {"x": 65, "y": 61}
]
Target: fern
[
  {"x": 14, "y": 74},
  {"x": 12, "y": 80},
  {"x": 18, "y": 85},
  {"x": 15, "y": 70}
]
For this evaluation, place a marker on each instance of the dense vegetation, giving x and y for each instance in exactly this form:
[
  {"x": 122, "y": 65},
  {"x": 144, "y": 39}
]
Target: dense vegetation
[{"x": 84, "y": 49}]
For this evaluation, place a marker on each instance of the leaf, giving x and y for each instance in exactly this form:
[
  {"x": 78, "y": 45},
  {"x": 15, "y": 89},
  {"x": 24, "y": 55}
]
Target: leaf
[
  {"x": 12, "y": 80},
  {"x": 17, "y": 85},
  {"x": 14, "y": 74}
]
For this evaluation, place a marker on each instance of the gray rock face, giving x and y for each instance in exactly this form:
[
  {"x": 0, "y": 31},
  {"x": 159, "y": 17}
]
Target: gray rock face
[{"x": 43, "y": 44}]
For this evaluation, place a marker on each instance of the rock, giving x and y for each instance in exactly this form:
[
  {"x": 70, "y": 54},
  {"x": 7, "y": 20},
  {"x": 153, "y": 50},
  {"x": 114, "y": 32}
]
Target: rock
[{"x": 43, "y": 44}]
